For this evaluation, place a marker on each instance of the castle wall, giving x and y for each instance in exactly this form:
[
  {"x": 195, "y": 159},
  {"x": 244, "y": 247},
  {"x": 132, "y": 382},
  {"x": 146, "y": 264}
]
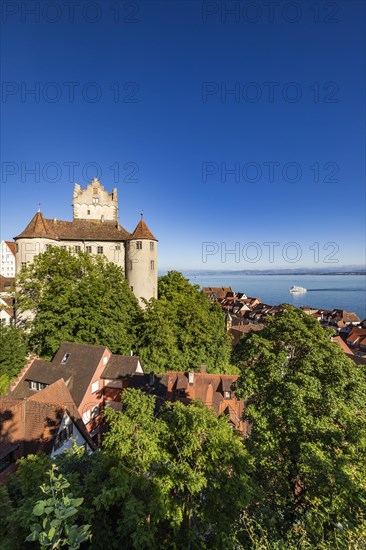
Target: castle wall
[
  {"x": 94, "y": 202},
  {"x": 29, "y": 248},
  {"x": 141, "y": 276}
]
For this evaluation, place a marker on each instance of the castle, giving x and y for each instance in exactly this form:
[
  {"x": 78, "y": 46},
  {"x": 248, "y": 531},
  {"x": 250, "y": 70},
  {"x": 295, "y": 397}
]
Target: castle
[{"x": 95, "y": 229}]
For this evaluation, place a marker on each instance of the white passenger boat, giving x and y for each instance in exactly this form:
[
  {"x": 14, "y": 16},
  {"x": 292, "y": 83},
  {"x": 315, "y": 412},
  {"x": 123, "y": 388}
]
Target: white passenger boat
[{"x": 298, "y": 290}]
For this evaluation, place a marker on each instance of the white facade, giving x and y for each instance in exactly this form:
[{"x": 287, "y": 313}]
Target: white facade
[
  {"x": 66, "y": 441},
  {"x": 95, "y": 230},
  {"x": 94, "y": 203},
  {"x": 28, "y": 248},
  {"x": 141, "y": 268},
  {"x": 7, "y": 261}
]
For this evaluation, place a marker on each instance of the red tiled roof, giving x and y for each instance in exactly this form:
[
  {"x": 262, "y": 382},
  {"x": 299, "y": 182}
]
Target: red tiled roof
[
  {"x": 34, "y": 422},
  {"x": 338, "y": 340},
  {"x": 90, "y": 230},
  {"x": 142, "y": 232},
  {"x": 11, "y": 246}
]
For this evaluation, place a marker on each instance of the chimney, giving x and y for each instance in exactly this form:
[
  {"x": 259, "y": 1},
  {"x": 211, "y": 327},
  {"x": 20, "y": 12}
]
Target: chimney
[
  {"x": 151, "y": 378},
  {"x": 203, "y": 369},
  {"x": 191, "y": 378}
]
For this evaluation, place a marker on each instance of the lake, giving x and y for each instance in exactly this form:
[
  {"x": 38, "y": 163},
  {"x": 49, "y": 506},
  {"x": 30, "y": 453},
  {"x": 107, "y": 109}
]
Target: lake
[{"x": 324, "y": 291}]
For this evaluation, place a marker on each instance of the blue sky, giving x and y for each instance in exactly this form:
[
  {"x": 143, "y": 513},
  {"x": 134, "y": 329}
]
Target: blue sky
[{"x": 166, "y": 98}]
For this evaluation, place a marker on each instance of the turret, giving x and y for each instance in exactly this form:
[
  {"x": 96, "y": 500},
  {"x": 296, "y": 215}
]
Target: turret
[{"x": 142, "y": 262}]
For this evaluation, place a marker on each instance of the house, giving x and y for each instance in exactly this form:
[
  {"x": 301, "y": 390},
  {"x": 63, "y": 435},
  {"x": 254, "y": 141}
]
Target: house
[
  {"x": 356, "y": 340},
  {"x": 7, "y": 259},
  {"x": 217, "y": 293},
  {"x": 47, "y": 421},
  {"x": 340, "y": 319},
  {"x": 81, "y": 366},
  {"x": 217, "y": 391},
  {"x": 116, "y": 377}
]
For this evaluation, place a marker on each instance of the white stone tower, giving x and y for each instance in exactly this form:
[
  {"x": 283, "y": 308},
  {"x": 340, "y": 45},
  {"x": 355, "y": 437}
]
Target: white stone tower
[
  {"x": 142, "y": 262},
  {"x": 94, "y": 202}
]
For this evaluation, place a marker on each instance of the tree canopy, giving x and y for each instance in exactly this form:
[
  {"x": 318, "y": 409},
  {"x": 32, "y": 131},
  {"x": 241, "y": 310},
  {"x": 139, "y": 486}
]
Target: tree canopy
[
  {"x": 77, "y": 297},
  {"x": 13, "y": 353},
  {"x": 182, "y": 329},
  {"x": 306, "y": 404},
  {"x": 176, "y": 479}
]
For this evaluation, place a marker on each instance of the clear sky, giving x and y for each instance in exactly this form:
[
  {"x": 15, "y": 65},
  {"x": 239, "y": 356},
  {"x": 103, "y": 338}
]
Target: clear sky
[{"x": 228, "y": 123}]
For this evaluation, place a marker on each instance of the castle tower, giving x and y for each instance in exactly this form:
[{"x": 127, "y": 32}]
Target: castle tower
[
  {"x": 142, "y": 262},
  {"x": 94, "y": 202}
]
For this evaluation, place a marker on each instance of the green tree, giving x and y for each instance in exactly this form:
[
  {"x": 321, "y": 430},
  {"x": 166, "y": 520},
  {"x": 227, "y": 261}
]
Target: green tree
[
  {"x": 13, "y": 353},
  {"x": 78, "y": 298},
  {"x": 178, "y": 480},
  {"x": 182, "y": 329},
  {"x": 57, "y": 515},
  {"x": 306, "y": 403}
]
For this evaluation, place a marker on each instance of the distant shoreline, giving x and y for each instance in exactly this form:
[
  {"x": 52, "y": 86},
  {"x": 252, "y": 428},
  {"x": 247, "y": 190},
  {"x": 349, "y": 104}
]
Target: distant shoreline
[{"x": 248, "y": 273}]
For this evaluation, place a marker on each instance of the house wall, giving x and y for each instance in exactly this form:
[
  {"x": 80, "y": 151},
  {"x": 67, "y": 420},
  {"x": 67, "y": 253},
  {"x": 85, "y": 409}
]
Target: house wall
[
  {"x": 7, "y": 261},
  {"x": 77, "y": 437},
  {"x": 92, "y": 399}
]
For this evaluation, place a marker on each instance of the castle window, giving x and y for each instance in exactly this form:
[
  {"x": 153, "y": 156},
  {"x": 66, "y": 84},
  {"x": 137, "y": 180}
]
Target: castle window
[
  {"x": 77, "y": 248},
  {"x": 63, "y": 247},
  {"x": 100, "y": 250},
  {"x": 118, "y": 247},
  {"x": 152, "y": 265},
  {"x": 88, "y": 212},
  {"x": 228, "y": 395},
  {"x": 131, "y": 287},
  {"x": 88, "y": 249},
  {"x": 95, "y": 200},
  {"x": 151, "y": 245},
  {"x": 24, "y": 264},
  {"x": 139, "y": 245}
]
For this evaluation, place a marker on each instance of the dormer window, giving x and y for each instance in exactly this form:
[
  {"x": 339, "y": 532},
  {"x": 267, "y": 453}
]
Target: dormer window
[
  {"x": 65, "y": 358},
  {"x": 36, "y": 386}
]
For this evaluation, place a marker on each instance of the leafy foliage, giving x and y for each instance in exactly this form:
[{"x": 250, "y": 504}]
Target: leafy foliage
[
  {"x": 182, "y": 329},
  {"x": 58, "y": 512},
  {"x": 306, "y": 404},
  {"x": 170, "y": 477},
  {"x": 13, "y": 353},
  {"x": 78, "y": 298}
]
